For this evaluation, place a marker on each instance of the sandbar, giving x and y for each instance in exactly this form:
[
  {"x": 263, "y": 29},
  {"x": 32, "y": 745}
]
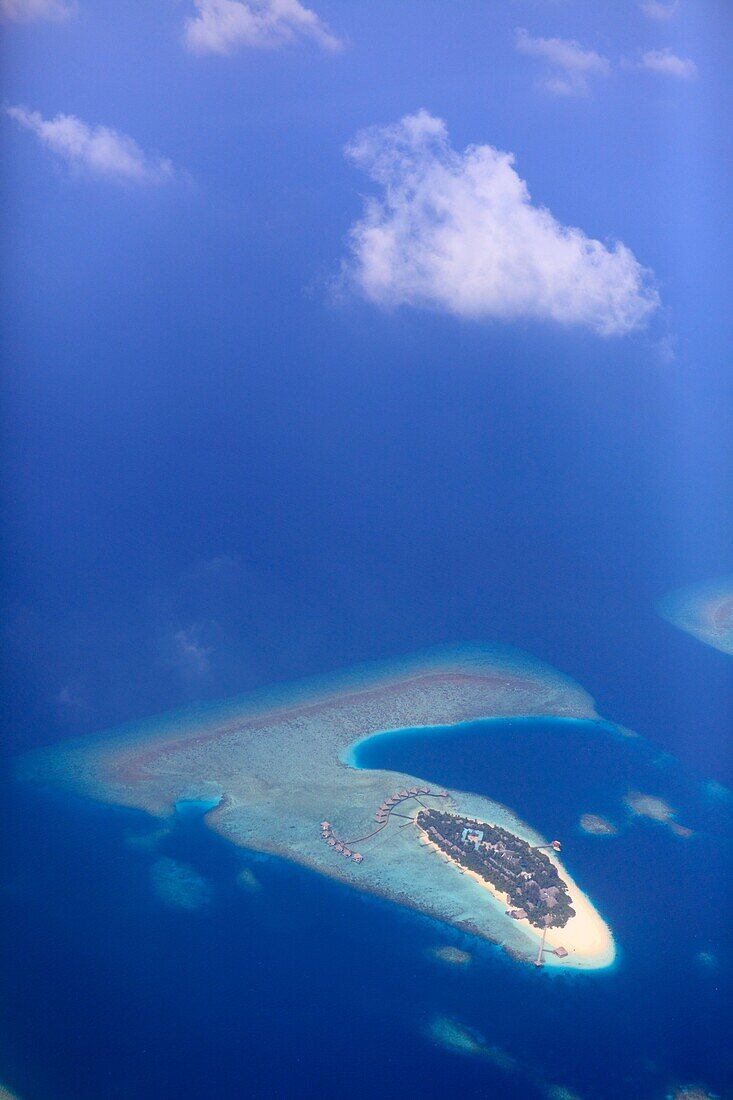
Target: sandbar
[{"x": 275, "y": 768}]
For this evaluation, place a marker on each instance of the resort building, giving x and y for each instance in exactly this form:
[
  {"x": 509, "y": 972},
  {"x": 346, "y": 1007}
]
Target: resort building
[{"x": 474, "y": 836}]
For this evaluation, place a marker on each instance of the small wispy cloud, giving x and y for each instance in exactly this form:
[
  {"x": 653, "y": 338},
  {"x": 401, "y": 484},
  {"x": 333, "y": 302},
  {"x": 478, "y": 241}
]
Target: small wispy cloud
[
  {"x": 219, "y": 565},
  {"x": 221, "y": 26},
  {"x": 668, "y": 63},
  {"x": 185, "y": 650},
  {"x": 95, "y": 150},
  {"x": 32, "y": 11},
  {"x": 666, "y": 350},
  {"x": 570, "y": 65},
  {"x": 659, "y": 9},
  {"x": 458, "y": 232},
  {"x": 71, "y": 698}
]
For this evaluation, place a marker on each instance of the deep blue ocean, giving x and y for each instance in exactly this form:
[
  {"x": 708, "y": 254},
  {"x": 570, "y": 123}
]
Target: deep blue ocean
[
  {"x": 295, "y": 986},
  {"x": 218, "y": 475}
]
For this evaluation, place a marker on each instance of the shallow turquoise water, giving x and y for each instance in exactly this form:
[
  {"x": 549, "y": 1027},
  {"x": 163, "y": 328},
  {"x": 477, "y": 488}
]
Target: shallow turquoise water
[{"x": 194, "y": 807}]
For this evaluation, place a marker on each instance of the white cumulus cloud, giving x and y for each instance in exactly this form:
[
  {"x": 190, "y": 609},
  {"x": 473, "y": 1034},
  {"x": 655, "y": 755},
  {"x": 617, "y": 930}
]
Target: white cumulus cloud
[
  {"x": 220, "y": 26},
  {"x": 659, "y": 9},
  {"x": 570, "y": 65},
  {"x": 669, "y": 64},
  {"x": 459, "y": 232},
  {"x": 97, "y": 150},
  {"x": 30, "y": 11}
]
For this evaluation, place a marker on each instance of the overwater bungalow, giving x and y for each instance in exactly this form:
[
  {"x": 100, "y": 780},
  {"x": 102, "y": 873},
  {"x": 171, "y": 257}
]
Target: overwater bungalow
[
  {"x": 357, "y": 857},
  {"x": 331, "y": 842}
]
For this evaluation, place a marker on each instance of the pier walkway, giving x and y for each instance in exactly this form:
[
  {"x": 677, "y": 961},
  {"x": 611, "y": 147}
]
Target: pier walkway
[{"x": 387, "y": 810}]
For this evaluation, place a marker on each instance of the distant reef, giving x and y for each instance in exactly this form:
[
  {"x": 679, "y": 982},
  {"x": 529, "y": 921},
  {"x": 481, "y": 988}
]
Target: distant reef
[
  {"x": 691, "y": 1092},
  {"x": 276, "y": 768},
  {"x": 704, "y": 610}
]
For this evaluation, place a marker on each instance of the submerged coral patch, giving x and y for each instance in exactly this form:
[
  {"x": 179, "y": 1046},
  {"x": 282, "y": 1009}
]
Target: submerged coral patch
[
  {"x": 147, "y": 841},
  {"x": 648, "y": 805},
  {"x": 454, "y": 956},
  {"x": 179, "y": 884},
  {"x": 247, "y": 880},
  {"x": 655, "y": 809},
  {"x": 595, "y": 825},
  {"x": 454, "y": 1036},
  {"x": 461, "y": 1039}
]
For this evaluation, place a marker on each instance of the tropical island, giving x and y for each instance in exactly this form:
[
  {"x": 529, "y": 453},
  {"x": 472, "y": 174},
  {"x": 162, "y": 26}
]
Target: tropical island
[
  {"x": 512, "y": 866},
  {"x": 275, "y": 773}
]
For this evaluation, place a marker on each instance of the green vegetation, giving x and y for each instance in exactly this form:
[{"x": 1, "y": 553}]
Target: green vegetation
[{"x": 528, "y": 878}]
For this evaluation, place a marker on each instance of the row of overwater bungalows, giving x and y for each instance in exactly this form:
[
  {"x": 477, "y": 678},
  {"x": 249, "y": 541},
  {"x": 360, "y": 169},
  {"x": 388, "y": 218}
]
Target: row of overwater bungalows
[
  {"x": 389, "y": 804},
  {"x": 333, "y": 842}
]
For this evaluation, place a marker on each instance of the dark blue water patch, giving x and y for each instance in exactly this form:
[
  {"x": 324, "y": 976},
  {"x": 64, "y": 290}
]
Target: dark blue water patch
[
  {"x": 294, "y": 991},
  {"x": 664, "y": 896},
  {"x": 305, "y": 988},
  {"x": 549, "y": 770}
]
